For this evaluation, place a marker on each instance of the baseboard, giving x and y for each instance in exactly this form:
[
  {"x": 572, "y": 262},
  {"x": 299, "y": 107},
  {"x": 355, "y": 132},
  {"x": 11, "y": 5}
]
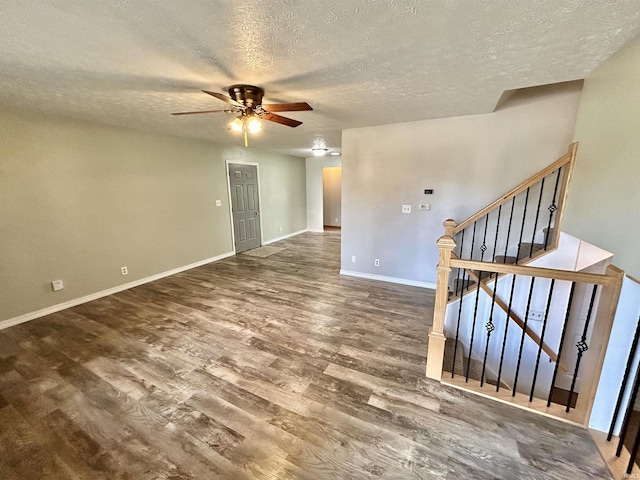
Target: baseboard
[
  {"x": 273, "y": 240},
  {"x": 110, "y": 291},
  {"x": 382, "y": 278},
  {"x": 315, "y": 230}
]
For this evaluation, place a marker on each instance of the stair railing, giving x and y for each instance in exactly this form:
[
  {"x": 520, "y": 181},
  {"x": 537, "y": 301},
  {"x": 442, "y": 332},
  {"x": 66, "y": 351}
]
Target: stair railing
[
  {"x": 492, "y": 341},
  {"x": 492, "y": 247},
  {"x": 508, "y": 229}
]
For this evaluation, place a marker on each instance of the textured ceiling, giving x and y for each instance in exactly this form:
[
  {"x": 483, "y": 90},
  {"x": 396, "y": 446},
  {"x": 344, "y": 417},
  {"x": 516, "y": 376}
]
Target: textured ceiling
[{"x": 357, "y": 62}]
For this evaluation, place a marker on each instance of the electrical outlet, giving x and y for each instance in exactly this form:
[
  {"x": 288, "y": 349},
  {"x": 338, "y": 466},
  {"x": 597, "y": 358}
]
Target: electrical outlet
[
  {"x": 218, "y": 203},
  {"x": 535, "y": 315},
  {"x": 124, "y": 270},
  {"x": 280, "y": 228},
  {"x": 353, "y": 259},
  {"x": 424, "y": 206},
  {"x": 57, "y": 285},
  {"x": 406, "y": 208},
  {"x": 376, "y": 262}
]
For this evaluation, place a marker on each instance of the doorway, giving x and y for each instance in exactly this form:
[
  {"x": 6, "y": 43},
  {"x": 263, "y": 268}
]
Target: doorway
[
  {"x": 245, "y": 206},
  {"x": 332, "y": 197}
]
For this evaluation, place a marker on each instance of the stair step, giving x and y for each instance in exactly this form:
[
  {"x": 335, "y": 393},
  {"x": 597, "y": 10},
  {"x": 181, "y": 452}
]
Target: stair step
[
  {"x": 525, "y": 248},
  {"x": 462, "y": 284},
  {"x": 506, "y": 259},
  {"x": 448, "y": 362},
  {"x": 485, "y": 275}
]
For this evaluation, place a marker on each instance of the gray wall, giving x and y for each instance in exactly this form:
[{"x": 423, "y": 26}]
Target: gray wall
[
  {"x": 604, "y": 197},
  {"x": 468, "y": 161},
  {"x": 78, "y": 200}
]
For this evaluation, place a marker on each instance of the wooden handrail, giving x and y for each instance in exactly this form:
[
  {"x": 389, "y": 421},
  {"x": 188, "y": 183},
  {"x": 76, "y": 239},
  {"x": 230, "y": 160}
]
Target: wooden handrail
[
  {"x": 580, "y": 277},
  {"x": 567, "y": 158}
]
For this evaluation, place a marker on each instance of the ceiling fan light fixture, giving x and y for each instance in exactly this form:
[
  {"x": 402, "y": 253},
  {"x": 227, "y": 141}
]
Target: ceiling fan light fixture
[
  {"x": 237, "y": 125},
  {"x": 319, "y": 151},
  {"x": 253, "y": 123}
]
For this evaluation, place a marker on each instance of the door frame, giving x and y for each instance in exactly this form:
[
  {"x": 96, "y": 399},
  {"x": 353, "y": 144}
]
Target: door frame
[{"x": 240, "y": 162}]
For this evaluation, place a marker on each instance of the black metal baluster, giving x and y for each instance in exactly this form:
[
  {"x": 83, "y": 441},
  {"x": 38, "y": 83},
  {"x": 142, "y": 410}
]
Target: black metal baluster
[
  {"x": 460, "y": 269},
  {"x": 552, "y": 208},
  {"x": 544, "y": 328},
  {"x": 582, "y": 347},
  {"x": 524, "y": 330},
  {"x": 473, "y": 240},
  {"x": 483, "y": 247},
  {"x": 627, "y": 415},
  {"x": 490, "y": 328},
  {"x": 562, "y": 335},
  {"x": 473, "y": 326},
  {"x": 506, "y": 245},
  {"x": 625, "y": 380},
  {"x": 506, "y": 330},
  {"x": 634, "y": 453},
  {"x": 535, "y": 223},
  {"x": 495, "y": 240},
  {"x": 455, "y": 346},
  {"x": 524, "y": 217}
]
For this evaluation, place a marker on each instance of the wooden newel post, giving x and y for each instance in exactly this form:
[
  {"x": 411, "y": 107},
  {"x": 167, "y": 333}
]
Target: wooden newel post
[{"x": 435, "y": 354}]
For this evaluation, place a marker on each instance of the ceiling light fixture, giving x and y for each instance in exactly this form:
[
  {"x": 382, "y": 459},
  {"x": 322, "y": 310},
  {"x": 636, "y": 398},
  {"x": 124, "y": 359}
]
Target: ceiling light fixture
[
  {"x": 253, "y": 124},
  {"x": 319, "y": 151},
  {"x": 246, "y": 122},
  {"x": 237, "y": 124}
]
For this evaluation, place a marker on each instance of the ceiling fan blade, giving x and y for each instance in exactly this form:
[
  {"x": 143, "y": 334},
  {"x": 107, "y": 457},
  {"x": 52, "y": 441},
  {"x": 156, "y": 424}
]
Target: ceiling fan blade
[
  {"x": 287, "y": 107},
  {"x": 289, "y": 122},
  {"x": 204, "y": 111},
  {"x": 224, "y": 98}
]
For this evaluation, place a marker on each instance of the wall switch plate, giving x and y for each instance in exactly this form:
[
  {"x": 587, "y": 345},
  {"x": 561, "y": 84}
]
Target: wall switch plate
[
  {"x": 424, "y": 206},
  {"x": 57, "y": 285},
  {"x": 124, "y": 270},
  {"x": 376, "y": 262},
  {"x": 406, "y": 208},
  {"x": 218, "y": 203},
  {"x": 353, "y": 259}
]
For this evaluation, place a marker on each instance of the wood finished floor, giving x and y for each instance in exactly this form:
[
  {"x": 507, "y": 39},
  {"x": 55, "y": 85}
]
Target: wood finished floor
[{"x": 259, "y": 368}]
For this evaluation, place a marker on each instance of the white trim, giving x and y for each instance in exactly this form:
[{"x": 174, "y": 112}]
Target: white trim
[
  {"x": 382, "y": 278},
  {"x": 228, "y": 174},
  {"x": 110, "y": 291},
  {"x": 315, "y": 230},
  {"x": 273, "y": 240}
]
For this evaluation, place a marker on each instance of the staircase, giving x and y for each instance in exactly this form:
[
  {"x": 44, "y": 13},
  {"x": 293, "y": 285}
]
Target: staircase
[{"x": 507, "y": 323}]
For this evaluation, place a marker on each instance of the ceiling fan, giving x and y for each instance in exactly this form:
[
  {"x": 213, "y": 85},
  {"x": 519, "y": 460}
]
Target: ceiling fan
[{"x": 246, "y": 100}]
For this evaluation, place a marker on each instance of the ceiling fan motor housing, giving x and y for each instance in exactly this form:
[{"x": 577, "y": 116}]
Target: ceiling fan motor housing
[{"x": 249, "y": 95}]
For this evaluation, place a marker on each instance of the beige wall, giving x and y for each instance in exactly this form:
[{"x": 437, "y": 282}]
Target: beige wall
[
  {"x": 78, "y": 200},
  {"x": 468, "y": 161},
  {"x": 315, "y": 207},
  {"x": 604, "y": 196},
  {"x": 331, "y": 195}
]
